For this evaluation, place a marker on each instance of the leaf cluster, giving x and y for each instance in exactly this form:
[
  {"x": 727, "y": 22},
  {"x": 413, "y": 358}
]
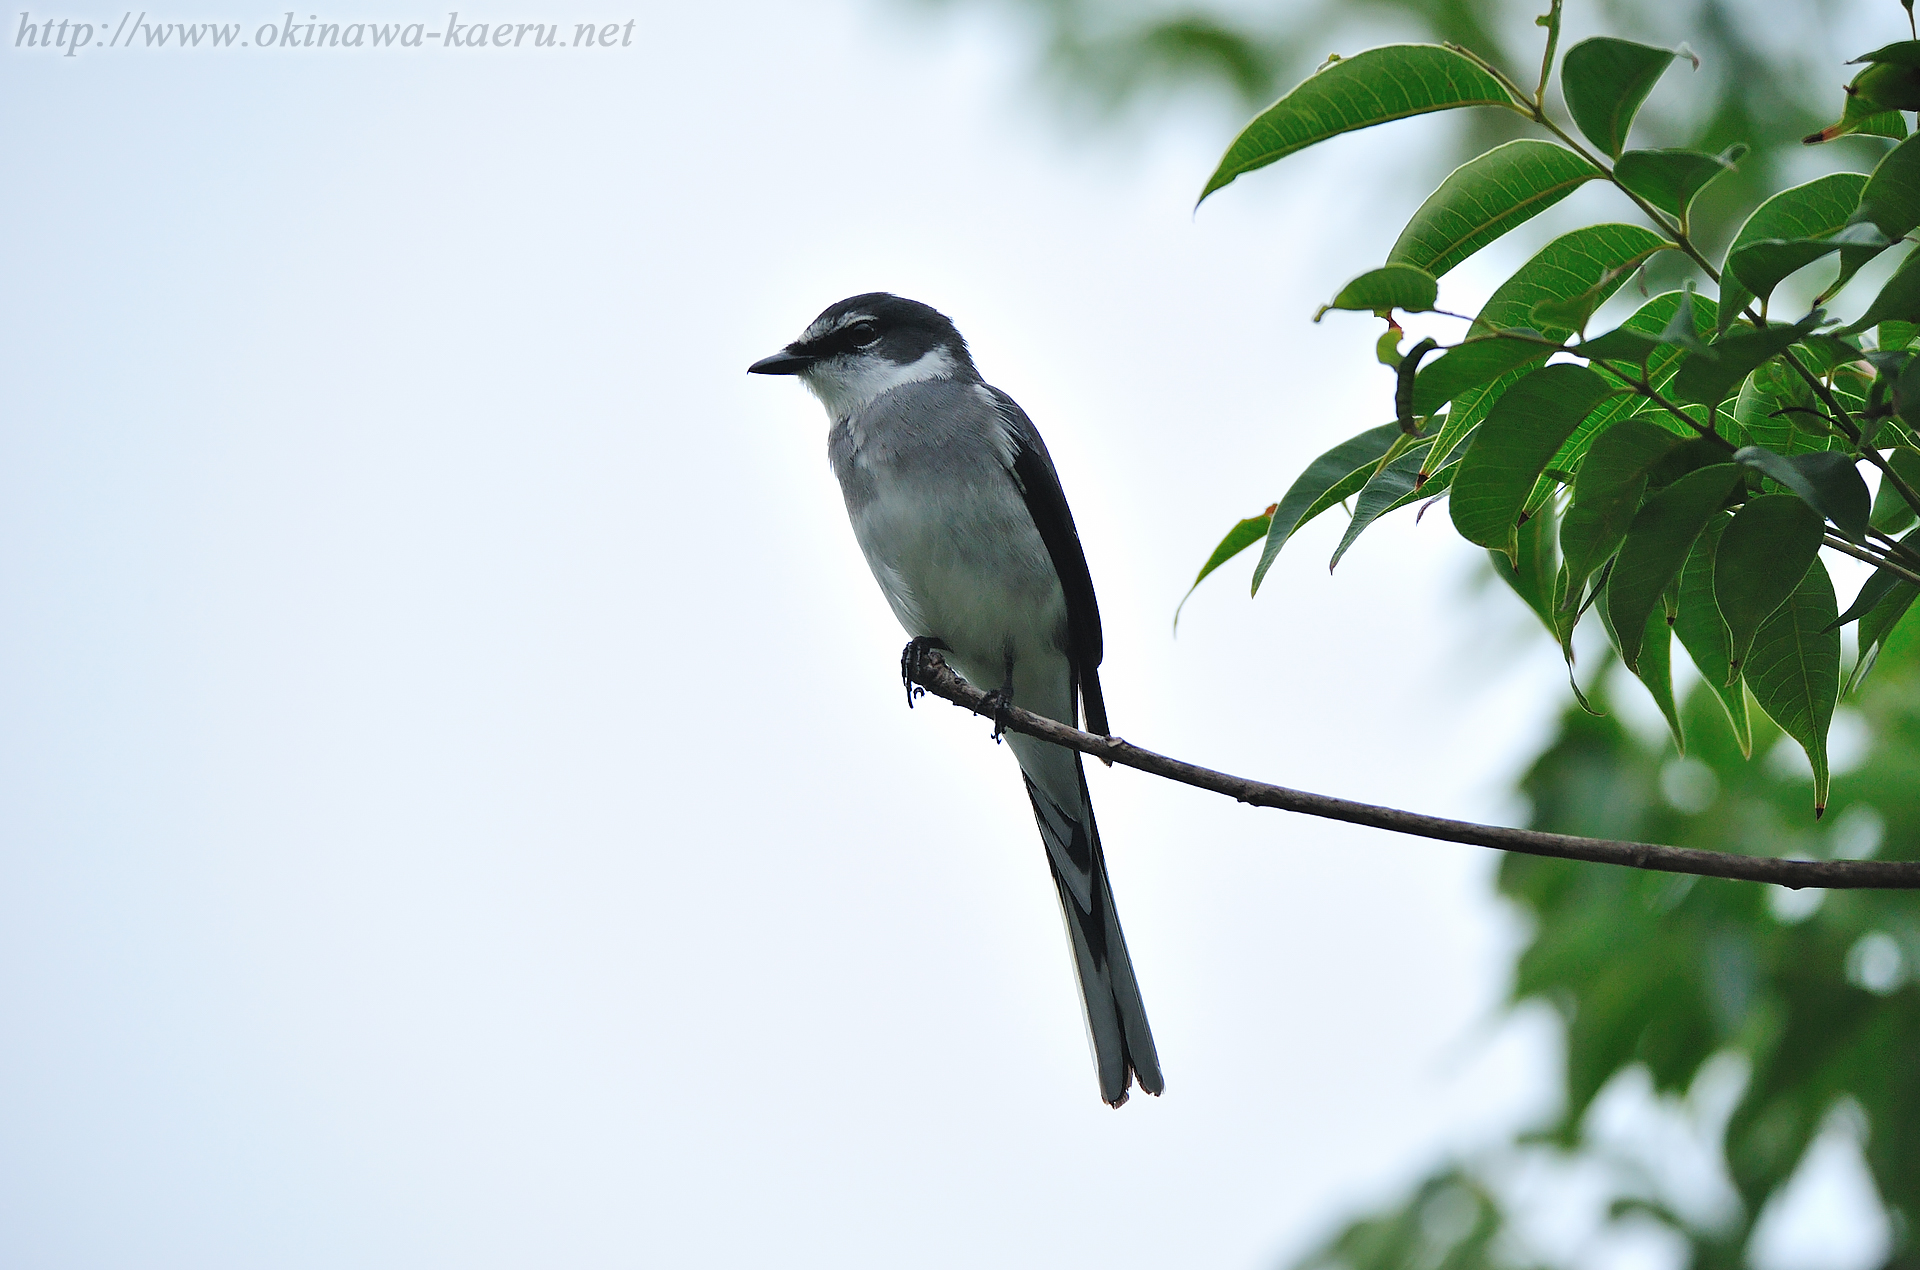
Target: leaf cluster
[{"x": 1678, "y": 474}]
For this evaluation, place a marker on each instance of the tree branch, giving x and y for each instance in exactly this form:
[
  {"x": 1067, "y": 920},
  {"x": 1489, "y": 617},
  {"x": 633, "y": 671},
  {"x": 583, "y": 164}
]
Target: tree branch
[{"x": 938, "y": 678}]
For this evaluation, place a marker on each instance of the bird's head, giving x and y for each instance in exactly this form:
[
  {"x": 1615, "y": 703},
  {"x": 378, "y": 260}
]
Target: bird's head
[{"x": 866, "y": 345}]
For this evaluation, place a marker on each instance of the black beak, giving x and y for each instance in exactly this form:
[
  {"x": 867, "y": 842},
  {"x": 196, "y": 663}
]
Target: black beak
[{"x": 781, "y": 363}]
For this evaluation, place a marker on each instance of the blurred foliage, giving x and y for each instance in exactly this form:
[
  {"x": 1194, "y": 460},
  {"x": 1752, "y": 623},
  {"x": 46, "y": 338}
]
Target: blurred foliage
[
  {"x": 1114, "y": 54},
  {"x": 1662, "y": 979}
]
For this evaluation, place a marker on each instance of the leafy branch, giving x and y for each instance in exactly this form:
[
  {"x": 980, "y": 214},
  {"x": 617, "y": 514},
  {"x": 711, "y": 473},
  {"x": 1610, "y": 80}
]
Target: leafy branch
[
  {"x": 1683, "y": 482},
  {"x": 1677, "y": 229}
]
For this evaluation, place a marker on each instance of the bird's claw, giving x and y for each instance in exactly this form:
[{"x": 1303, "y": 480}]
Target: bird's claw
[
  {"x": 913, "y": 660},
  {"x": 1000, "y": 700}
]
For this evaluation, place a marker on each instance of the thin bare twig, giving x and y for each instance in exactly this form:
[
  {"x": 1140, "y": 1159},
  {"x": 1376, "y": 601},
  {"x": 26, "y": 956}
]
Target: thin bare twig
[
  {"x": 1846, "y": 548},
  {"x": 1894, "y": 547},
  {"x": 938, "y": 678}
]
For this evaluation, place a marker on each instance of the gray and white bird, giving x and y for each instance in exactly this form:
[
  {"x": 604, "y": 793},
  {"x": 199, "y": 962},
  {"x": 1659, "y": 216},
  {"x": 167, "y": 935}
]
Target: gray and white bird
[{"x": 956, "y": 504}]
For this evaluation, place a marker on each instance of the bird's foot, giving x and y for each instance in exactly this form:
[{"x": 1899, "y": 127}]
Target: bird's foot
[
  {"x": 999, "y": 701},
  {"x": 913, "y": 660}
]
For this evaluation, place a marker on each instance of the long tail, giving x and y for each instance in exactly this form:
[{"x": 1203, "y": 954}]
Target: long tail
[{"x": 1122, "y": 1043}]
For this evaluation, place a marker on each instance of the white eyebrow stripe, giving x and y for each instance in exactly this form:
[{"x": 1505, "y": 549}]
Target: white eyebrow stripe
[{"x": 822, "y": 327}]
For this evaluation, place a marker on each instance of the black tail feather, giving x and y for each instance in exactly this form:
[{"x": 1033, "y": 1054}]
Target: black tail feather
[{"x": 1115, "y": 1014}]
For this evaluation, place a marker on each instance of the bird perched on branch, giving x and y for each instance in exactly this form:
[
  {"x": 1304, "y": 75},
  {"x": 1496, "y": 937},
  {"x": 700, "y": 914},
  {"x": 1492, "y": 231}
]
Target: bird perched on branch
[{"x": 956, "y": 504}]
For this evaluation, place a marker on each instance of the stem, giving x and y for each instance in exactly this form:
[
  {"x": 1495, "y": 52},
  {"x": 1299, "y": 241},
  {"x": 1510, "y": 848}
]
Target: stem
[
  {"x": 1841, "y": 415},
  {"x": 1895, "y": 547},
  {"x": 1647, "y": 390},
  {"x": 1900, "y": 486},
  {"x": 1538, "y": 113},
  {"x": 1846, "y": 548},
  {"x": 936, "y": 677},
  {"x": 1514, "y": 90},
  {"x": 1552, "y": 22}
]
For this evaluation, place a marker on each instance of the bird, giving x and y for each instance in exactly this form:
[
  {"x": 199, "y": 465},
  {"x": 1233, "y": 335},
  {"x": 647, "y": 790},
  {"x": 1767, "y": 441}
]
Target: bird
[{"x": 958, "y": 509}]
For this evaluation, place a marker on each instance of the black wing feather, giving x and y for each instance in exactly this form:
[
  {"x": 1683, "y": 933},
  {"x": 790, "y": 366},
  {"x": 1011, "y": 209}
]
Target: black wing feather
[{"x": 1047, "y": 503}]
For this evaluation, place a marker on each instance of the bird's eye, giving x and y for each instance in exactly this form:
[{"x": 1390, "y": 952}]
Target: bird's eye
[{"x": 863, "y": 333}]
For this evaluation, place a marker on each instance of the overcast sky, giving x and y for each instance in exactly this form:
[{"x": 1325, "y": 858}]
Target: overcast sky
[{"x": 457, "y": 805}]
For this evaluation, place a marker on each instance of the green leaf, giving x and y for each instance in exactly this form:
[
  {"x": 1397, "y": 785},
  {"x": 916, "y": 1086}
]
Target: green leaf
[
  {"x": 1533, "y": 573},
  {"x": 1888, "y": 123},
  {"x": 1826, "y": 479},
  {"x": 1511, "y": 449},
  {"x": 1484, "y": 198},
  {"x": 1568, "y": 609},
  {"x": 1761, "y": 266},
  {"x": 1566, "y": 616},
  {"x": 1573, "y": 454},
  {"x": 1872, "y": 105},
  {"x": 1654, "y": 664},
  {"x": 1823, "y": 353},
  {"x": 1890, "y": 83},
  {"x": 1655, "y": 670},
  {"x": 1576, "y": 311},
  {"x": 1879, "y": 584},
  {"x": 1906, "y": 380},
  {"x": 1876, "y": 96},
  {"x": 1618, "y": 345},
  {"x": 1821, "y": 207},
  {"x": 1878, "y": 623},
  {"x": 1604, "y": 81},
  {"x": 1336, "y": 475},
  {"x": 1899, "y": 298},
  {"x": 1669, "y": 179},
  {"x": 1662, "y": 332},
  {"x": 1777, "y": 410},
  {"x": 1794, "y": 670},
  {"x": 1692, "y": 454},
  {"x": 1477, "y": 361},
  {"x": 1384, "y": 490},
  {"x": 1424, "y": 491},
  {"x": 1656, "y": 547},
  {"x": 1628, "y": 452},
  {"x": 1850, "y": 391},
  {"x": 1891, "y": 198},
  {"x": 1710, "y": 376},
  {"x": 1387, "y": 288},
  {"x": 1691, "y": 321},
  {"x": 1668, "y": 315},
  {"x": 1374, "y": 87},
  {"x": 1763, "y": 554},
  {"x": 1895, "y": 335},
  {"x": 1589, "y": 536},
  {"x": 1607, "y": 493},
  {"x": 1900, "y": 53},
  {"x": 1238, "y": 539},
  {"x": 1567, "y": 266},
  {"x": 1703, "y": 632},
  {"x": 1891, "y": 515}
]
